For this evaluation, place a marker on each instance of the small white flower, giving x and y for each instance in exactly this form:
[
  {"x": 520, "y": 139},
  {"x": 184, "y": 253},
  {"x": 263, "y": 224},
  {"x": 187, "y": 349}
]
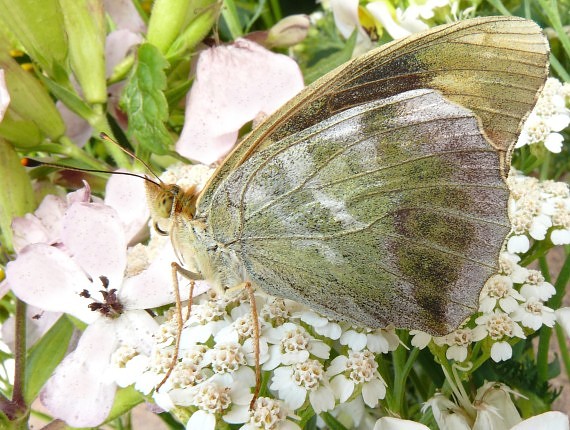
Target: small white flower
[
  {"x": 382, "y": 340},
  {"x": 358, "y": 368},
  {"x": 563, "y": 318},
  {"x": 549, "y": 116},
  {"x": 222, "y": 395},
  {"x": 294, "y": 382},
  {"x": 499, "y": 289},
  {"x": 498, "y": 326},
  {"x": 518, "y": 244},
  {"x": 391, "y": 423},
  {"x": 495, "y": 408},
  {"x": 127, "y": 365},
  {"x": 226, "y": 357},
  {"x": 291, "y": 343},
  {"x": 560, "y": 235},
  {"x": 322, "y": 325},
  {"x": 420, "y": 339},
  {"x": 447, "y": 414},
  {"x": 552, "y": 420},
  {"x": 533, "y": 314},
  {"x": 535, "y": 286},
  {"x": 509, "y": 267},
  {"x": 459, "y": 341},
  {"x": 269, "y": 414}
]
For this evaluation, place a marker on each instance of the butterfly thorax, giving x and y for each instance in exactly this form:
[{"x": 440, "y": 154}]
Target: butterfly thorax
[
  {"x": 200, "y": 252},
  {"x": 173, "y": 211}
]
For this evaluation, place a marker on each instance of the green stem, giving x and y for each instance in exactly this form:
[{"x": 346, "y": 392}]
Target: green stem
[
  {"x": 400, "y": 386},
  {"x": 100, "y": 124},
  {"x": 230, "y": 15},
  {"x": 16, "y": 409},
  {"x": 527, "y": 13},
  {"x": 561, "y": 283},
  {"x": 542, "y": 353},
  {"x": 276, "y": 9},
  {"x": 551, "y": 10},
  {"x": 562, "y": 343},
  {"x": 545, "y": 334},
  {"x": 559, "y": 68},
  {"x": 497, "y": 4},
  {"x": 70, "y": 149},
  {"x": 537, "y": 250},
  {"x": 545, "y": 166}
]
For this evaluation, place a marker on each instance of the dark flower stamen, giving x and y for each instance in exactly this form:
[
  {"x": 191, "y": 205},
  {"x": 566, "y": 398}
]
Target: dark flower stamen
[{"x": 110, "y": 306}]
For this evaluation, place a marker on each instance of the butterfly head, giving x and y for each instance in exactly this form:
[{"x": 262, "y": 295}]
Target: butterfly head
[{"x": 167, "y": 201}]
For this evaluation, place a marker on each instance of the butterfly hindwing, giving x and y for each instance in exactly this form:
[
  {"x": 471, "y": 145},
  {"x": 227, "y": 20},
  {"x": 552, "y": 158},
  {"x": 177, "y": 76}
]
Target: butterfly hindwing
[{"x": 389, "y": 212}]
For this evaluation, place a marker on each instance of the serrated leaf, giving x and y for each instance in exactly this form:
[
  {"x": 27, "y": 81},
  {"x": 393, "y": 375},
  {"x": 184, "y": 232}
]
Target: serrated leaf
[
  {"x": 144, "y": 101},
  {"x": 44, "y": 357}
]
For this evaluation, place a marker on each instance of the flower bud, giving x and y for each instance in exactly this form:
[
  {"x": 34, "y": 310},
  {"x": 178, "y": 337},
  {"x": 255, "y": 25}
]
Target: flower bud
[
  {"x": 288, "y": 32},
  {"x": 85, "y": 28}
]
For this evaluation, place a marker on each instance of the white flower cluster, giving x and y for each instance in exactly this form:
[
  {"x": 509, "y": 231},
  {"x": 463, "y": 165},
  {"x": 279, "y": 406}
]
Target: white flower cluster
[
  {"x": 214, "y": 377},
  {"x": 550, "y": 116},
  {"x": 535, "y": 209},
  {"x": 510, "y": 302}
]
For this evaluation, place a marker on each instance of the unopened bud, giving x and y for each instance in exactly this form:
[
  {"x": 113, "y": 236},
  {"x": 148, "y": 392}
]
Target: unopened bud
[{"x": 288, "y": 32}]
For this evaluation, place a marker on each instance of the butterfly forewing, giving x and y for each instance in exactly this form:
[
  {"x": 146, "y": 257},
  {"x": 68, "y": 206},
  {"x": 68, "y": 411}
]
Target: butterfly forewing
[
  {"x": 494, "y": 66},
  {"x": 392, "y": 212}
]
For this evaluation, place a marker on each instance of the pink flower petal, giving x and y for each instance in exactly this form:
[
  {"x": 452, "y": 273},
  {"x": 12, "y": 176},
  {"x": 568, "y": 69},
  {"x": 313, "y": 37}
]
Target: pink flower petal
[
  {"x": 79, "y": 391},
  {"x": 39, "y": 322},
  {"x": 27, "y": 230},
  {"x": 82, "y": 195},
  {"x": 127, "y": 195},
  {"x": 94, "y": 236},
  {"x": 125, "y": 15},
  {"x": 117, "y": 46},
  {"x": 76, "y": 127},
  {"x": 153, "y": 287},
  {"x": 46, "y": 277},
  {"x": 136, "y": 329},
  {"x": 234, "y": 84}
]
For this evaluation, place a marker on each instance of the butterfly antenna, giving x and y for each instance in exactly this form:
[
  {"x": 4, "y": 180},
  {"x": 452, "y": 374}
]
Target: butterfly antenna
[
  {"x": 32, "y": 162},
  {"x": 105, "y": 136}
]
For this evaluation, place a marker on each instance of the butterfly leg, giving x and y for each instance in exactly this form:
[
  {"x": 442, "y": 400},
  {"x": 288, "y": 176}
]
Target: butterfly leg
[
  {"x": 176, "y": 268},
  {"x": 255, "y": 320}
]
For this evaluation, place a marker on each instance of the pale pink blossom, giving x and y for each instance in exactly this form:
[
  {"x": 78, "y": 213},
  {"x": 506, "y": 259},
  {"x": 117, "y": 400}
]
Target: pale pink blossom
[{"x": 217, "y": 107}]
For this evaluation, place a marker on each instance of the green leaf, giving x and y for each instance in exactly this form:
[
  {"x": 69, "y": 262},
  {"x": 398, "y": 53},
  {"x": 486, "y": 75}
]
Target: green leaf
[
  {"x": 44, "y": 357},
  {"x": 29, "y": 98},
  {"x": 331, "y": 422},
  {"x": 166, "y": 22},
  {"x": 328, "y": 63},
  {"x": 16, "y": 194},
  {"x": 125, "y": 400},
  {"x": 198, "y": 28},
  {"x": 21, "y": 133},
  {"x": 144, "y": 101},
  {"x": 85, "y": 28},
  {"x": 39, "y": 28}
]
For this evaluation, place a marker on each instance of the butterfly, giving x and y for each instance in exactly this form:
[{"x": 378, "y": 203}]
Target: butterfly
[{"x": 377, "y": 194}]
